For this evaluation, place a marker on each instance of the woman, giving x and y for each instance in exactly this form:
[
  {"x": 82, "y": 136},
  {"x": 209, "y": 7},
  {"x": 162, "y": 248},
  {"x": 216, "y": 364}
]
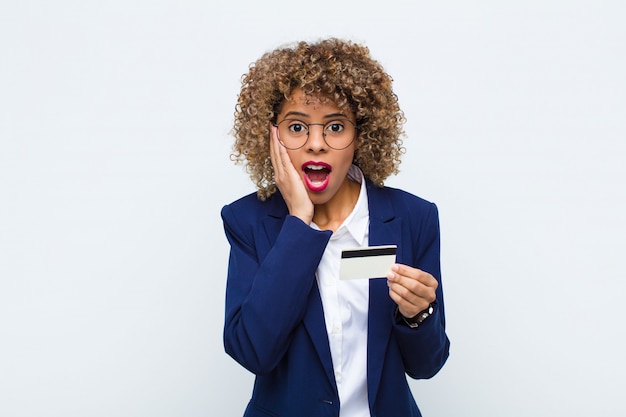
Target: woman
[{"x": 319, "y": 129}]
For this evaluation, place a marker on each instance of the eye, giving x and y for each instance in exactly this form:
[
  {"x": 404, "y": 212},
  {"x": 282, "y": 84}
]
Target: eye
[
  {"x": 335, "y": 127},
  {"x": 297, "y": 128}
]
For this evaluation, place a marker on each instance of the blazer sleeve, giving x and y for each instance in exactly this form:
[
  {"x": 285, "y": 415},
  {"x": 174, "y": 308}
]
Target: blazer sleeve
[
  {"x": 425, "y": 349},
  {"x": 266, "y": 298}
]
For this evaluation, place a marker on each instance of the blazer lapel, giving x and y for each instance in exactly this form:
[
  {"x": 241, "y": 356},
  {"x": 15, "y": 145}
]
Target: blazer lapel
[
  {"x": 316, "y": 327},
  {"x": 273, "y": 222},
  {"x": 385, "y": 229}
]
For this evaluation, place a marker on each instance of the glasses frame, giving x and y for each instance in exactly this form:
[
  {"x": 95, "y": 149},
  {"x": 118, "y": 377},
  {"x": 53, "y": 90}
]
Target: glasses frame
[{"x": 308, "y": 131}]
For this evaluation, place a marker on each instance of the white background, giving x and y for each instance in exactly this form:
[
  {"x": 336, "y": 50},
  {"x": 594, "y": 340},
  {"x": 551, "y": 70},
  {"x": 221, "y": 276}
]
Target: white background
[{"x": 114, "y": 164}]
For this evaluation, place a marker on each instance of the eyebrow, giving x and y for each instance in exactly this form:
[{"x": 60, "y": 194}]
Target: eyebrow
[{"x": 328, "y": 116}]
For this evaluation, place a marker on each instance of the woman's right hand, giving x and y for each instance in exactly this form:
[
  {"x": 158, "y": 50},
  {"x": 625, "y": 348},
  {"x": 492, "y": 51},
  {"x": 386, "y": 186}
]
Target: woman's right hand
[{"x": 289, "y": 181}]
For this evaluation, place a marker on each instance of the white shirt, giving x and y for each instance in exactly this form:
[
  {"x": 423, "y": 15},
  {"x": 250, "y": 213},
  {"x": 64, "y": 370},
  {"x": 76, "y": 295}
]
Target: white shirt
[{"x": 345, "y": 306}]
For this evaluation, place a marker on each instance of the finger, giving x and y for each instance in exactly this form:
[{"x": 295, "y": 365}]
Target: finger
[
  {"x": 274, "y": 152},
  {"x": 285, "y": 159},
  {"x": 402, "y": 272},
  {"x": 402, "y": 294},
  {"x": 411, "y": 288},
  {"x": 283, "y": 167},
  {"x": 408, "y": 307},
  {"x": 417, "y": 295}
]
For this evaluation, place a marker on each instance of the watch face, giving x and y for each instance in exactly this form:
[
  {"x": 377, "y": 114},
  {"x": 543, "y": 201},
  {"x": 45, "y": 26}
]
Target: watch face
[
  {"x": 425, "y": 314},
  {"x": 419, "y": 318}
]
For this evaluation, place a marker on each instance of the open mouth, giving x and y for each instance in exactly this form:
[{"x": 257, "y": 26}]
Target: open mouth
[{"x": 316, "y": 175}]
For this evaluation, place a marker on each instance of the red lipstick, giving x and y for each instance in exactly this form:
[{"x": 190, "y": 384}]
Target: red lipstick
[{"x": 316, "y": 175}]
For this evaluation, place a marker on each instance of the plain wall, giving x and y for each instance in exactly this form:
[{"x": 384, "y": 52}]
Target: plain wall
[{"x": 114, "y": 165}]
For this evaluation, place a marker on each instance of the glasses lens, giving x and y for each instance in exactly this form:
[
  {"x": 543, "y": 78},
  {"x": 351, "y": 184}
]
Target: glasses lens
[
  {"x": 293, "y": 133},
  {"x": 338, "y": 134}
]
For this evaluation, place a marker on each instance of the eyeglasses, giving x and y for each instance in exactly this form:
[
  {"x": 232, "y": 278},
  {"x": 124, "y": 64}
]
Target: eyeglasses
[{"x": 338, "y": 134}]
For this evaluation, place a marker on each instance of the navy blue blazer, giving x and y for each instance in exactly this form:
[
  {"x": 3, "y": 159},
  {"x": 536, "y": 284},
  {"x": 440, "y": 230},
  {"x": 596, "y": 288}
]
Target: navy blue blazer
[{"x": 274, "y": 322}]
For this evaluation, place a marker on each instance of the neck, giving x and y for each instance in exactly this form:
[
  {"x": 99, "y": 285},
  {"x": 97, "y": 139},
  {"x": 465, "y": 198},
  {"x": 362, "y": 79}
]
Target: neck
[{"x": 330, "y": 215}]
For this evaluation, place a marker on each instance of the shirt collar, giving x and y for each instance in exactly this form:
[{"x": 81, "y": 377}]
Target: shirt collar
[{"x": 357, "y": 222}]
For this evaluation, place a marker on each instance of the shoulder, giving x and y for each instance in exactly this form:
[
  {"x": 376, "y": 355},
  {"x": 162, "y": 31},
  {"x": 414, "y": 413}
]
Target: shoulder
[
  {"x": 401, "y": 201},
  {"x": 247, "y": 201},
  {"x": 251, "y": 207}
]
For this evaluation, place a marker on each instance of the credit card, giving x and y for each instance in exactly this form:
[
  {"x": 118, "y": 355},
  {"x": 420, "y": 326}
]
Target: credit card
[{"x": 367, "y": 262}]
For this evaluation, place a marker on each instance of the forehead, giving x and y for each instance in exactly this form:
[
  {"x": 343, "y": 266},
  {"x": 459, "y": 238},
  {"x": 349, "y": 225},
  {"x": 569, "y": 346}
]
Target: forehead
[{"x": 298, "y": 100}]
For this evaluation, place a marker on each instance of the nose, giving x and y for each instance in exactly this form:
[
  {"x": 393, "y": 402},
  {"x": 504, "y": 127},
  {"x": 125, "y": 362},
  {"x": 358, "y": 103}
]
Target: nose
[{"x": 316, "y": 141}]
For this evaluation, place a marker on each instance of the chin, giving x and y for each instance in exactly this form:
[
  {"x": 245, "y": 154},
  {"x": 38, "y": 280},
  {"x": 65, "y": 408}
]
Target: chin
[{"x": 319, "y": 197}]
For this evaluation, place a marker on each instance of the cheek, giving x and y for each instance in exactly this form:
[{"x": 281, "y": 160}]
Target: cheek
[
  {"x": 293, "y": 157},
  {"x": 350, "y": 156}
]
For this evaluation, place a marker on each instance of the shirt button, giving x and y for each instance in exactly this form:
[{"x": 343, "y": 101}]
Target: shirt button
[{"x": 336, "y": 329}]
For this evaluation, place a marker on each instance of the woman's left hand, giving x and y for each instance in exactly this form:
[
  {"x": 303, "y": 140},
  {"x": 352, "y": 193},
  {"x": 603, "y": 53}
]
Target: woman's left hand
[{"x": 412, "y": 289}]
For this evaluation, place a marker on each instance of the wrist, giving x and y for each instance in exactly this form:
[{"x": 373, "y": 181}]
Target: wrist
[
  {"x": 418, "y": 319},
  {"x": 303, "y": 213}
]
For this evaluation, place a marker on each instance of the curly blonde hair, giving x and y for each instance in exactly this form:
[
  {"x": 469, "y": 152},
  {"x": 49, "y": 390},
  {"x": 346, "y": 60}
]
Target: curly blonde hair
[{"x": 332, "y": 69}]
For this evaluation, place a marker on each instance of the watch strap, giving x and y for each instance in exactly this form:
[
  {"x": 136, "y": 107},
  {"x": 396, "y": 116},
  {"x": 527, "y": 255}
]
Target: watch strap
[{"x": 419, "y": 318}]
